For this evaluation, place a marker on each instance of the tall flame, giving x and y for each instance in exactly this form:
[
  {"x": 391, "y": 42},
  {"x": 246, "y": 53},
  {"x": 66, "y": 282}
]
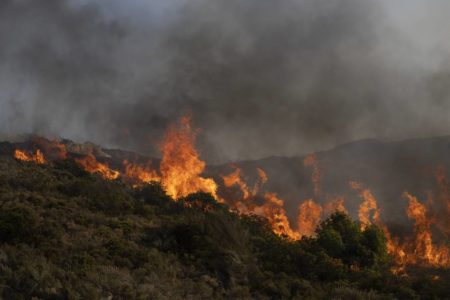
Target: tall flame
[
  {"x": 273, "y": 210},
  {"x": 309, "y": 217},
  {"x": 424, "y": 249},
  {"x": 368, "y": 206},
  {"x": 181, "y": 167},
  {"x": 419, "y": 249},
  {"x": 311, "y": 161}
]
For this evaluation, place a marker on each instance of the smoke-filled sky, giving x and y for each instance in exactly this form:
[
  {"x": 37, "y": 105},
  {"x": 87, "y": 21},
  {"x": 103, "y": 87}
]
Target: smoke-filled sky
[{"x": 259, "y": 77}]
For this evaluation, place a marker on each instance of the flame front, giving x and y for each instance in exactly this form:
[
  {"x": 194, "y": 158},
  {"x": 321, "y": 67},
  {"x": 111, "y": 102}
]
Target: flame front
[
  {"x": 337, "y": 204},
  {"x": 138, "y": 174},
  {"x": 273, "y": 210},
  {"x": 368, "y": 206},
  {"x": 181, "y": 170},
  {"x": 423, "y": 248},
  {"x": 420, "y": 249},
  {"x": 181, "y": 167},
  {"x": 311, "y": 161},
  {"x": 90, "y": 164},
  {"x": 309, "y": 217},
  {"x": 234, "y": 178},
  {"x": 38, "y": 157}
]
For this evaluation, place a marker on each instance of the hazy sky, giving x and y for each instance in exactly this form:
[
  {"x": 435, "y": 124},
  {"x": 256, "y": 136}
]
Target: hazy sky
[{"x": 260, "y": 77}]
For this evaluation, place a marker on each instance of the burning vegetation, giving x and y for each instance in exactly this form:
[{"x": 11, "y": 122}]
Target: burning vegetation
[
  {"x": 181, "y": 173},
  {"x": 38, "y": 157},
  {"x": 181, "y": 166}
]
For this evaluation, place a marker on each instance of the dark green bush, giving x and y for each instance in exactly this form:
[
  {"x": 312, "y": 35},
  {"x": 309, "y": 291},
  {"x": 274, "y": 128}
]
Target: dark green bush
[{"x": 17, "y": 224}]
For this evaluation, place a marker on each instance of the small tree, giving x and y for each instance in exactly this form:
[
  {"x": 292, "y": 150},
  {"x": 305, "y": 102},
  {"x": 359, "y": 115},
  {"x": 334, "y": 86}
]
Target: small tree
[{"x": 342, "y": 238}]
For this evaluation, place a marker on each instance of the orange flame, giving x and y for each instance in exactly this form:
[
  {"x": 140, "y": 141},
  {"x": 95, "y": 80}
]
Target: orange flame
[
  {"x": 309, "y": 217},
  {"x": 273, "y": 210},
  {"x": 181, "y": 169},
  {"x": 262, "y": 176},
  {"x": 90, "y": 164},
  {"x": 337, "y": 204},
  {"x": 424, "y": 250},
  {"x": 24, "y": 156},
  {"x": 234, "y": 178},
  {"x": 368, "y": 206},
  {"x": 138, "y": 174},
  {"x": 418, "y": 250},
  {"x": 181, "y": 166},
  {"x": 311, "y": 161}
]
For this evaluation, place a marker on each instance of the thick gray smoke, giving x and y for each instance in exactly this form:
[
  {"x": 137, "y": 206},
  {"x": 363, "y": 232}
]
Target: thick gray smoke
[{"x": 260, "y": 77}]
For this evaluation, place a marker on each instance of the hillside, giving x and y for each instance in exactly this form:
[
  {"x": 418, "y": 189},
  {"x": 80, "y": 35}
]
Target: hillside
[
  {"x": 68, "y": 234},
  {"x": 388, "y": 169},
  {"x": 401, "y": 187}
]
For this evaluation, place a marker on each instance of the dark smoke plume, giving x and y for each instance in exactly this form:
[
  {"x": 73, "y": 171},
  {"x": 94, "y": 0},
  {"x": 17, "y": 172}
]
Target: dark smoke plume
[{"x": 260, "y": 77}]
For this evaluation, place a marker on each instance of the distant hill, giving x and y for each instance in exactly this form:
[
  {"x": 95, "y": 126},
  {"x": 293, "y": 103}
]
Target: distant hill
[{"x": 386, "y": 168}]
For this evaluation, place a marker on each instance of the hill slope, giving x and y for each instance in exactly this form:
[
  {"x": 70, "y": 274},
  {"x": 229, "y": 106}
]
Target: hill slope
[
  {"x": 67, "y": 234},
  {"x": 387, "y": 168}
]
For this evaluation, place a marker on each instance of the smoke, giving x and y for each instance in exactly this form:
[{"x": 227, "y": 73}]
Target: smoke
[{"x": 260, "y": 77}]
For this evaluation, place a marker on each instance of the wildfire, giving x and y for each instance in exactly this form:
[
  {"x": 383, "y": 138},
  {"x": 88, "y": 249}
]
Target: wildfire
[
  {"x": 311, "y": 161},
  {"x": 309, "y": 217},
  {"x": 138, "y": 174},
  {"x": 38, "y": 157},
  {"x": 262, "y": 176},
  {"x": 273, "y": 210},
  {"x": 368, "y": 206},
  {"x": 310, "y": 213},
  {"x": 419, "y": 249},
  {"x": 337, "y": 204},
  {"x": 181, "y": 167},
  {"x": 51, "y": 148},
  {"x": 234, "y": 178},
  {"x": 424, "y": 249},
  {"x": 180, "y": 173},
  {"x": 90, "y": 164}
]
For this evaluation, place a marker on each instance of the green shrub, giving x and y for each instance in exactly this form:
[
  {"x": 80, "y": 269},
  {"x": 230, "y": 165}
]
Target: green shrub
[{"x": 17, "y": 224}]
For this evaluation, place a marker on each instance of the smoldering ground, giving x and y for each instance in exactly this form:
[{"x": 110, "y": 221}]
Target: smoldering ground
[{"x": 259, "y": 77}]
